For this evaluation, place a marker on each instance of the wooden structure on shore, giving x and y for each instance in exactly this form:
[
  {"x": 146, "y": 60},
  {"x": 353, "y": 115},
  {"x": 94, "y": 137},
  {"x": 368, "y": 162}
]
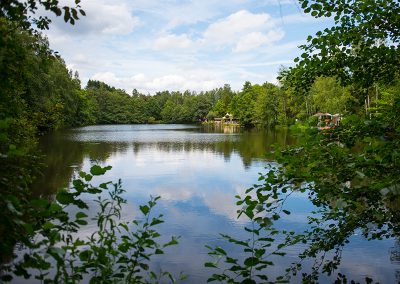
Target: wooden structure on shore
[
  {"x": 327, "y": 121},
  {"x": 226, "y": 119}
]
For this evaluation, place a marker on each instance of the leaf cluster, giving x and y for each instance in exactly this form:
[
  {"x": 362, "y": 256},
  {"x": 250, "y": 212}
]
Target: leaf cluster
[
  {"x": 263, "y": 205},
  {"x": 22, "y": 12},
  {"x": 361, "y": 48},
  {"x": 117, "y": 251}
]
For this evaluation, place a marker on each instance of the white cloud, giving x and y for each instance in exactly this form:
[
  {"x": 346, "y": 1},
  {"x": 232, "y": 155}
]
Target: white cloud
[
  {"x": 224, "y": 202},
  {"x": 174, "y": 194},
  {"x": 256, "y": 39},
  {"x": 244, "y": 30},
  {"x": 192, "y": 80},
  {"x": 227, "y": 29},
  {"x": 172, "y": 42},
  {"x": 107, "y": 77},
  {"x": 138, "y": 78},
  {"x": 116, "y": 19},
  {"x": 178, "y": 82},
  {"x": 189, "y": 13},
  {"x": 102, "y": 17},
  {"x": 167, "y": 82},
  {"x": 179, "y": 45}
]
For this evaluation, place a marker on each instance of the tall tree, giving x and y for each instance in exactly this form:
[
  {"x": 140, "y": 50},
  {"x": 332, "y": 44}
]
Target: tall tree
[
  {"x": 242, "y": 105},
  {"x": 29, "y": 101},
  {"x": 352, "y": 173},
  {"x": 329, "y": 96},
  {"x": 266, "y": 108},
  {"x": 361, "y": 47}
]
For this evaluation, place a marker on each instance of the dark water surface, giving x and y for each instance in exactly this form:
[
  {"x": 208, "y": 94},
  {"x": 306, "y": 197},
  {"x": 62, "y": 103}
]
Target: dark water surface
[{"x": 197, "y": 172}]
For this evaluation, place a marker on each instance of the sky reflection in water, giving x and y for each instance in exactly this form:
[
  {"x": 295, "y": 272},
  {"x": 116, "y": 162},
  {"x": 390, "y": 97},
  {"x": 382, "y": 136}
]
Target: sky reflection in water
[{"x": 197, "y": 172}]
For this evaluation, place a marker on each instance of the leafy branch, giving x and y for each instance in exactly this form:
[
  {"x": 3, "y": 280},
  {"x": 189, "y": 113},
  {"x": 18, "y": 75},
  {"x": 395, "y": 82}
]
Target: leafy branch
[{"x": 117, "y": 251}]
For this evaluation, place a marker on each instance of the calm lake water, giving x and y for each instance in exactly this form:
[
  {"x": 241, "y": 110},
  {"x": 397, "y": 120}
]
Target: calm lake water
[{"x": 197, "y": 172}]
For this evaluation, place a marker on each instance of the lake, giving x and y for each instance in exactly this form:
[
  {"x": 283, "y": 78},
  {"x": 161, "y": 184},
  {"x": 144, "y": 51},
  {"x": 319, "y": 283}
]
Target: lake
[{"x": 197, "y": 172}]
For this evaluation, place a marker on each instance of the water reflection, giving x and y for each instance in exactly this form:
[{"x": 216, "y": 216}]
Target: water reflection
[
  {"x": 197, "y": 171},
  {"x": 66, "y": 150},
  {"x": 395, "y": 257}
]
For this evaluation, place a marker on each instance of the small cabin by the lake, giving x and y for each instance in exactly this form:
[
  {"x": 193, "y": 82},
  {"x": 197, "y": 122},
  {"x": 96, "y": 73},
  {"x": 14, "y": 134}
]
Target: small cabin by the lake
[
  {"x": 226, "y": 119},
  {"x": 327, "y": 121}
]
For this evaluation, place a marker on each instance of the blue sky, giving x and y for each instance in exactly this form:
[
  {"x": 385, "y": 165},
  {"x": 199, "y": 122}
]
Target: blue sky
[{"x": 178, "y": 45}]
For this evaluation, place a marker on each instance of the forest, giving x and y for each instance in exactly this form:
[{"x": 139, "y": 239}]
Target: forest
[{"x": 351, "y": 68}]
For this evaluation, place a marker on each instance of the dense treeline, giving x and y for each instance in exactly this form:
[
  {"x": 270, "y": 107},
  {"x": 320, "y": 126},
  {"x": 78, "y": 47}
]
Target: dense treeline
[
  {"x": 44, "y": 95},
  {"x": 265, "y": 105}
]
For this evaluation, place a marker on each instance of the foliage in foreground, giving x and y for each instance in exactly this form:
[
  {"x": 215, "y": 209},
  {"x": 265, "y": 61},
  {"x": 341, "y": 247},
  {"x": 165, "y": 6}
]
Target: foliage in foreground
[
  {"x": 263, "y": 204},
  {"x": 117, "y": 251},
  {"x": 350, "y": 174}
]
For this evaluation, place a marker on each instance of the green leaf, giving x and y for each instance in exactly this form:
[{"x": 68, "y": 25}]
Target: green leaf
[
  {"x": 248, "y": 281},
  {"x": 251, "y": 261},
  {"x": 88, "y": 177},
  {"x": 43, "y": 203},
  {"x": 156, "y": 222},
  {"x": 64, "y": 197},
  {"x": 54, "y": 207},
  {"x": 81, "y": 222},
  {"x": 249, "y": 212},
  {"x": 80, "y": 215},
  {"x": 145, "y": 209},
  {"x": 220, "y": 250},
  {"x": 48, "y": 225},
  {"x": 104, "y": 185},
  {"x": 67, "y": 15},
  {"x": 210, "y": 264},
  {"x": 173, "y": 241},
  {"x": 145, "y": 266},
  {"x": 78, "y": 185},
  {"x": 84, "y": 255},
  {"x": 96, "y": 170}
]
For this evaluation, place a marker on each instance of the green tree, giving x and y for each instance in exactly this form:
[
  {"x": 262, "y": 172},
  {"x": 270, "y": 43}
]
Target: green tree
[
  {"x": 202, "y": 106},
  {"x": 170, "y": 112},
  {"x": 266, "y": 109},
  {"x": 242, "y": 105},
  {"x": 153, "y": 107},
  {"x": 329, "y": 96},
  {"x": 295, "y": 103},
  {"x": 29, "y": 103},
  {"x": 361, "y": 47},
  {"x": 219, "y": 109},
  {"x": 351, "y": 174},
  {"x": 354, "y": 180}
]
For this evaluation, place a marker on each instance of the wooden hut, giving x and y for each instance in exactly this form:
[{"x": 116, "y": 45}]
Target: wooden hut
[{"x": 327, "y": 121}]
